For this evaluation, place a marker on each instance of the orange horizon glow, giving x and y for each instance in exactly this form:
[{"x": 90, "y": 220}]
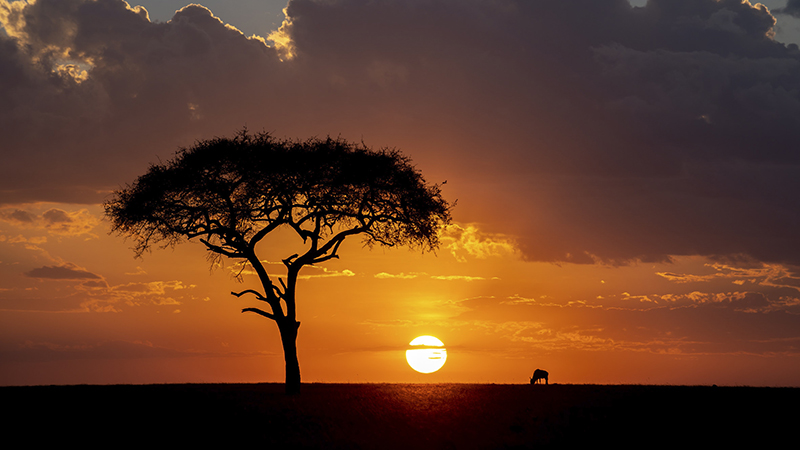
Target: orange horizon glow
[{"x": 355, "y": 312}]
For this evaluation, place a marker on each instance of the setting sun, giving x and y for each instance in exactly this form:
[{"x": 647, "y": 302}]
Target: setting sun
[{"x": 426, "y": 355}]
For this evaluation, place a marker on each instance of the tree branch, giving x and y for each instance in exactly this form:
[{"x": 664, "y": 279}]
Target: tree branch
[
  {"x": 288, "y": 261},
  {"x": 260, "y": 312},
  {"x": 325, "y": 258},
  {"x": 278, "y": 292},
  {"x": 222, "y": 251},
  {"x": 334, "y": 253},
  {"x": 250, "y": 291},
  {"x": 280, "y": 280},
  {"x": 332, "y": 244},
  {"x": 280, "y": 220}
]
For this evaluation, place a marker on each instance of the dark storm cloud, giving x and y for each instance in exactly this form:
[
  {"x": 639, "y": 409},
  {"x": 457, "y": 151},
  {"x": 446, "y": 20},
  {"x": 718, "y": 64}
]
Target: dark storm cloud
[
  {"x": 92, "y": 90},
  {"x": 792, "y": 8},
  {"x": 589, "y": 129}
]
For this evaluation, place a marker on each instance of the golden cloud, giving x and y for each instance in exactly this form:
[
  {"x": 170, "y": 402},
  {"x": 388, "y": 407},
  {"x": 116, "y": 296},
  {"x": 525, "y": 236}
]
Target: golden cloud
[
  {"x": 54, "y": 221},
  {"x": 469, "y": 241}
]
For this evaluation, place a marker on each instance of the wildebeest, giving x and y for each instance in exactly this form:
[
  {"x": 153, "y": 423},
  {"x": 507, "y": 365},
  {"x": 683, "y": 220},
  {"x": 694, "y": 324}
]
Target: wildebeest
[{"x": 539, "y": 375}]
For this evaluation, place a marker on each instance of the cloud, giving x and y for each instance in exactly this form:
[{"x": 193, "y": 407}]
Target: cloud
[
  {"x": 139, "y": 271},
  {"x": 584, "y": 131},
  {"x": 152, "y": 288},
  {"x": 239, "y": 269},
  {"x": 458, "y": 278},
  {"x": 766, "y": 275},
  {"x": 73, "y": 139},
  {"x": 65, "y": 271},
  {"x": 327, "y": 273},
  {"x": 761, "y": 324},
  {"x": 792, "y": 8},
  {"x": 102, "y": 297},
  {"x": 19, "y": 239},
  {"x": 684, "y": 278},
  {"x": 19, "y": 216},
  {"x": 470, "y": 241},
  {"x": 402, "y": 276},
  {"x": 53, "y": 216},
  {"x": 408, "y": 276},
  {"x": 55, "y": 221}
]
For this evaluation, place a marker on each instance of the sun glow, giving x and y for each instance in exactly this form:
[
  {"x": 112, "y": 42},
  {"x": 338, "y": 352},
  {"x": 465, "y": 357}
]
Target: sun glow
[{"x": 426, "y": 355}]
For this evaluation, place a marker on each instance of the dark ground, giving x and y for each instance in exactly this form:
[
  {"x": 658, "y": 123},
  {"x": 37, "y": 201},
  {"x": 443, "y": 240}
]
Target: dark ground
[{"x": 399, "y": 416}]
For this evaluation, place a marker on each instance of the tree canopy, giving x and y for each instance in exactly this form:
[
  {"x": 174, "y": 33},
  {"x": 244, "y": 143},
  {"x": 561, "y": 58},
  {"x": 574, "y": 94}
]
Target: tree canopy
[{"x": 230, "y": 193}]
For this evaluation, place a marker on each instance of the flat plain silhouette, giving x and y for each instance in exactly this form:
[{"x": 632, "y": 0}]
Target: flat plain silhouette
[
  {"x": 539, "y": 375},
  {"x": 230, "y": 193},
  {"x": 403, "y": 416}
]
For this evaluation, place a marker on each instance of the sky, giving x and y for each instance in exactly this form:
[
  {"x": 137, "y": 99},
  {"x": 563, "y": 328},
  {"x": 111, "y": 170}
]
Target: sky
[{"x": 627, "y": 179}]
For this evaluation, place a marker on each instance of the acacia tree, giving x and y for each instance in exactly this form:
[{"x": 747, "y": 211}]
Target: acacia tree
[{"x": 230, "y": 193}]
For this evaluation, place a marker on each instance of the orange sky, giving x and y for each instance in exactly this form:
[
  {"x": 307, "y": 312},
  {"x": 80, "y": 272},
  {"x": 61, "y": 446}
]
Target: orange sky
[
  {"x": 627, "y": 198},
  {"x": 168, "y": 318}
]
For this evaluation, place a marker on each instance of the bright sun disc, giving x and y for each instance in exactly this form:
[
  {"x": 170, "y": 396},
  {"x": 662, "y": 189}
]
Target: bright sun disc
[{"x": 426, "y": 355}]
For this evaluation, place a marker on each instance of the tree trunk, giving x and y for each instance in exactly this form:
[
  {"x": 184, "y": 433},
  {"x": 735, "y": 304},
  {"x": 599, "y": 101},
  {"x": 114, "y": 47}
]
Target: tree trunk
[{"x": 288, "y": 329}]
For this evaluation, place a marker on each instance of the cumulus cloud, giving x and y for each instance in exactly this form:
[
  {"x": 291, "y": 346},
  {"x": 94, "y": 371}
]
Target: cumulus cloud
[{"x": 589, "y": 131}]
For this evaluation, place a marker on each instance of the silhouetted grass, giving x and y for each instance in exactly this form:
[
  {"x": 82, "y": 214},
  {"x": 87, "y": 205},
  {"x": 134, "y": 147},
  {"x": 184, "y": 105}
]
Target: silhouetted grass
[{"x": 398, "y": 416}]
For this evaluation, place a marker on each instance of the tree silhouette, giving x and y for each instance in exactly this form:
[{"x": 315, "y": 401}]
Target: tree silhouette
[{"x": 230, "y": 193}]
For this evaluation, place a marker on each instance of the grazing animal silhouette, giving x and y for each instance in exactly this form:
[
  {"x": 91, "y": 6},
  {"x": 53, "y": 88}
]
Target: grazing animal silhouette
[{"x": 539, "y": 375}]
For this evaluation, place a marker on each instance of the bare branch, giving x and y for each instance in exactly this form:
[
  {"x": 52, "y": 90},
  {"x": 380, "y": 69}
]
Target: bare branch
[
  {"x": 222, "y": 251},
  {"x": 334, "y": 254},
  {"x": 278, "y": 292},
  {"x": 260, "y": 312},
  {"x": 336, "y": 241},
  {"x": 325, "y": 258},
  {"x": 288, "y": 261},
  {"x": 250, "y": 291},
  {"x": 267, "y": 229}
]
